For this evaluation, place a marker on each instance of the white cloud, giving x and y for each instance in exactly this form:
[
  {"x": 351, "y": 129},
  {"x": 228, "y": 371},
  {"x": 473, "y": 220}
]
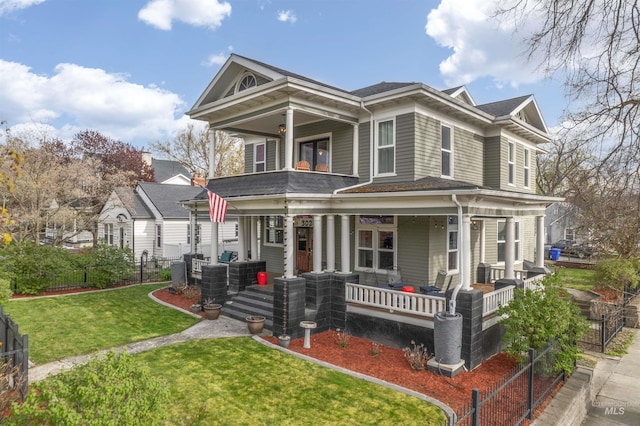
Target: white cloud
[
  {"x": 199, "y": 13},
  {"x": 287, "y": 16},
  {"x": 78, "y": 98},
  {"x": 217, "y": 58},
  {"x": 482, "y": 45},
  {"x": 7, "y": 6}
]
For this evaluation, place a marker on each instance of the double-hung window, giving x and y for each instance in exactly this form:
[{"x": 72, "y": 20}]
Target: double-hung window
[
  {"x": 108, "y": 233},
  {"x": 386, "y": 147},
  {"x": 446, "y": 151},
  {"x": 375, "y": 243},
  {"x": 452, "y": 243},
  {"x": 502, "y": 240},
  {"x": 511, "y": 157},
  {"x": 527, "y": 168},
  {"x": 274, "y": 230},
  {"x": 259, "y": 163}
]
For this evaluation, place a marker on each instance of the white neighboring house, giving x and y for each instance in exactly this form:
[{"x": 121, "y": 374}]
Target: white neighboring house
[{"x": 150, "y": 218}]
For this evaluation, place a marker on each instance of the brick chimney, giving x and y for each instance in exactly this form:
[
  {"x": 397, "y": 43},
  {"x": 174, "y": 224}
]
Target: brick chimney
[{"x": 198, "y": 180}]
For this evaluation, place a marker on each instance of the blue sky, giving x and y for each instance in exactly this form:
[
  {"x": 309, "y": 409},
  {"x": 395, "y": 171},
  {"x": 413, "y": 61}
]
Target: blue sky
[{"x": 130, "y": 69}]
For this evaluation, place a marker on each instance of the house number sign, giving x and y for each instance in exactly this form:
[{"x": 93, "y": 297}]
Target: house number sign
[{"x": 303, "y": 222}]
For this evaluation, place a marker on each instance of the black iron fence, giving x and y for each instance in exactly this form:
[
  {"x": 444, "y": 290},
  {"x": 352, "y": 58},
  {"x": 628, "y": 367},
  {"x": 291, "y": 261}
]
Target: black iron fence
[
  {"x": 145, "y": 270},
  {"x": 607, "y": 320},
  {"x": 515, "y": 398},
  {"x": 14, "y": 358}
]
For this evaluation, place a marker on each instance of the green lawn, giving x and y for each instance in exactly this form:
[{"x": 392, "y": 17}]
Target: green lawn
[
  {"x": 238, "y": 381},
  {"x": 579, "y": 279},
  {"x": 234, "y": 381},
  {"x": 64, "y": 326}
]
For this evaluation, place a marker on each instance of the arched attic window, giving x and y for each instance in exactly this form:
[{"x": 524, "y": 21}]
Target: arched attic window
[{"x": 246, "y": 82}]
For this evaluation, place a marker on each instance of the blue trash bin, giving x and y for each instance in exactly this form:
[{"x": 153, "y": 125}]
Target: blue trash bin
[{"x": 554, "y": 254}]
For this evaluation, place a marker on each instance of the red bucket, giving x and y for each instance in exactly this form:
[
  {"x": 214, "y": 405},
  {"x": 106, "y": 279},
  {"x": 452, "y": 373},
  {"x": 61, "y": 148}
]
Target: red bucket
[
  {"x": 262, "y": 278},
  {"x": 408, "y": 289}
]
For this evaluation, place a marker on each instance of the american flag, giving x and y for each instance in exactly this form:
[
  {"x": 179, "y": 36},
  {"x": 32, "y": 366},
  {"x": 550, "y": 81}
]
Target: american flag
[{"x": 217, "y": 206}]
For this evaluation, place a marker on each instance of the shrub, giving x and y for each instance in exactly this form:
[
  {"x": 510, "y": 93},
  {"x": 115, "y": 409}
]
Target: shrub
[
  {"x": 105, "y": 264},
  {"x": 418, "y": 356},
  {"x": 535, "y": 318},
  {"x": 115, "y": 390},
  {"x": 342, "y": 338},
  {"x": 617, "y": 273},
  {"x": 33, "y": 267},
  {"x": 165, "y": 274}
]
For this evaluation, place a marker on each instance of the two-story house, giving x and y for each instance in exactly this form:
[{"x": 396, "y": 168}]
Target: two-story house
[{"x": 393, "y": 178}]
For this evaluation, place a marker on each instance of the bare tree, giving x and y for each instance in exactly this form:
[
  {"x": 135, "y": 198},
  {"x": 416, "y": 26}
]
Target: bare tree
[
  {"x": 190, "y": 148},
  {"x": 595, "y": 44},
  {"x": 560, "y": 167}
]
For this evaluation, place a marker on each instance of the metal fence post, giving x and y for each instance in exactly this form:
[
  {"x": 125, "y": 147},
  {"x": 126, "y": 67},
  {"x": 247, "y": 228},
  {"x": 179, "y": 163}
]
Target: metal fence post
[
  {"x": 603, "y": 334},
  {"x": 530, "y": 384},
  {"x": 475, "y": 406}
]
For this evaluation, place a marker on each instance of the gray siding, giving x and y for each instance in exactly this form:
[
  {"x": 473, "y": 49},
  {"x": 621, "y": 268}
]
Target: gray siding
[
  {"x": 274, "y": 257},
  {"x": 467, "y": 153},
  {"x": 341, "y": 143},
  {"x": 248, "y": 158},
  {"x": 364, "y": 168},
  {"x": 271, "y": 154},
  {"x": 490, "y": 238},
  {"x": 492, "y": 162},
  {"x": 413, "y": 249},
  {"x": 427, "y": 147}
]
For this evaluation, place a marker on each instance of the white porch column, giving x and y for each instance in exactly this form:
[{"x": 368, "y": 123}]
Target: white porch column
[
  {"x": 465, "y": 252},
  {"x": 331, "y": 243},
  {"x": 483, "y": 254},
  {"x": 214, "y": 243},
  {"x": 356, "y": 149},
  {"x": 288, "y": 141},
  {"x": 345, "y": 250},
  {"x": 192, "y": 230},
  {"x": 242, "y": 238},
  {"x": 510, "y": 248},
  {"x": 254, "y": 237},
  {"x": 317, "y": 244},
  {"x": 212, "y": 153},
  {"x": 540, "y": 241},
  {"x": 289, "y": 247}
]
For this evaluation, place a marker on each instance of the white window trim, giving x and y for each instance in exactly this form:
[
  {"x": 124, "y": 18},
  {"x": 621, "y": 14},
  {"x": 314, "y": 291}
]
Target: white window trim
[
  {"x": 266, "y": 230},
  {"x": 511, "y": 164},
  {"x": 518, "y": 241},
  {"x": 392, "y": 146},
  {"x": 526, "y": 179},
  {"x": 255, "y": 160},
  {"x": 375, "y": 230},
  {"x": 241, "y": 79},
  {"x": 299, "y": 141},
  {"x": 450, "y": 150}
]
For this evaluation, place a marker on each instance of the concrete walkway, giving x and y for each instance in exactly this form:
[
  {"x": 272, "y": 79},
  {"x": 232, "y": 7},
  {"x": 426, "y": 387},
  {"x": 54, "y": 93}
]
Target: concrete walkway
[{"x": 616, "y": 389}]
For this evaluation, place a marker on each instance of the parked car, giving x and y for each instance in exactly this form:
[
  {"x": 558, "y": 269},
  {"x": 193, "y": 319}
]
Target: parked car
[
  {"x": 563, "y": 244},
  {"x": 573, "y": 249}
]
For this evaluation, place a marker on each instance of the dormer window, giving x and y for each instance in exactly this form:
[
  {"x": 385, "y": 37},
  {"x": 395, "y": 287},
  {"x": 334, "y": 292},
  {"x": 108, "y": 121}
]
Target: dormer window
[{"x": 247, "y": 82}]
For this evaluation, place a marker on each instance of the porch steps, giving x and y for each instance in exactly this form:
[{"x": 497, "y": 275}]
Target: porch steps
[{"x": 254, "y": 300}]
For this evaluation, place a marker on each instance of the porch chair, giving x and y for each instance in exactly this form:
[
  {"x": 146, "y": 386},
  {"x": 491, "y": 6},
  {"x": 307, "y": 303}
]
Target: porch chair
[
  {"x": 438, "y": 286},
  {"x": 322, "y": 168},
  {"x": 303, "y": 165}
]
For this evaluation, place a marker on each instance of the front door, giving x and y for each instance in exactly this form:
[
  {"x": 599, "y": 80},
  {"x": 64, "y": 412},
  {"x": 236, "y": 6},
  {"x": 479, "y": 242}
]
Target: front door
[{"x": 304, "y": 249}]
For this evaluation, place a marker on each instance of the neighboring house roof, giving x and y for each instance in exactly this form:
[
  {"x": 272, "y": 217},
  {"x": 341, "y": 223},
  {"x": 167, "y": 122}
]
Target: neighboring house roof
[
  {"x": 165, "y": 170},
  {"x": 133, "y": 203},
  {"x": 165, "y": 198}
]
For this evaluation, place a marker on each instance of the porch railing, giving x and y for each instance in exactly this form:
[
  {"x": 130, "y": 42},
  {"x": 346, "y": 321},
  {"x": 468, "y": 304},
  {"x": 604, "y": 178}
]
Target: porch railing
[
  {"x": 394, "y": 300},
  {"x": 497, "y": 273},
  {"x": 493, "y": 300}
]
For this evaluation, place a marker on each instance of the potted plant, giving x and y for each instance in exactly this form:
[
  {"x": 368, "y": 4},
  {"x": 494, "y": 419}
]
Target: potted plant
[
  {"x": 284, "y": 340},
  {"x": 211, "y": 309},
  {"x": 255, "y": 323}
]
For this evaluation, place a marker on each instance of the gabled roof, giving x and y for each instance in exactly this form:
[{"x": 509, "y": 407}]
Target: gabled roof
[
  {"x": 379, "y": 88},
  {"x": 523, "y": 108},
  {"x": 133, "y": 203},
  {"x": 164, "y": 170},
  {"x": 165, "y": 198},
  {"x": 460, "y": 93}
]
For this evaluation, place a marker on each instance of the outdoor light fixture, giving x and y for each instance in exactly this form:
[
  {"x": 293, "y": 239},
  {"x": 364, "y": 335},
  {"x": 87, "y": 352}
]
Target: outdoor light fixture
[
  {"x": 474, "y": 225},
  {"x": 282, "y": 129}
]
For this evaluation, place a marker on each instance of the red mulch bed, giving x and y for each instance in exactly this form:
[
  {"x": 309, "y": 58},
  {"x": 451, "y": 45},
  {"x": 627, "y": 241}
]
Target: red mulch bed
[{"x": 389, "y": 365}]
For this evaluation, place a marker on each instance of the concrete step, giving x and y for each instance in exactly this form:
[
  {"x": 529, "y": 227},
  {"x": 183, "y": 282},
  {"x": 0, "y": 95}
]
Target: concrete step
[{"x": 255, "y": 300}]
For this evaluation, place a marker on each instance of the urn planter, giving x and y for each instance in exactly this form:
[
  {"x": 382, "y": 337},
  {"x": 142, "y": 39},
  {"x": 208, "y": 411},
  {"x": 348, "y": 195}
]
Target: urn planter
[
  {"x": 255, "y": 324},
  {"x": 212, "y": 311}
]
